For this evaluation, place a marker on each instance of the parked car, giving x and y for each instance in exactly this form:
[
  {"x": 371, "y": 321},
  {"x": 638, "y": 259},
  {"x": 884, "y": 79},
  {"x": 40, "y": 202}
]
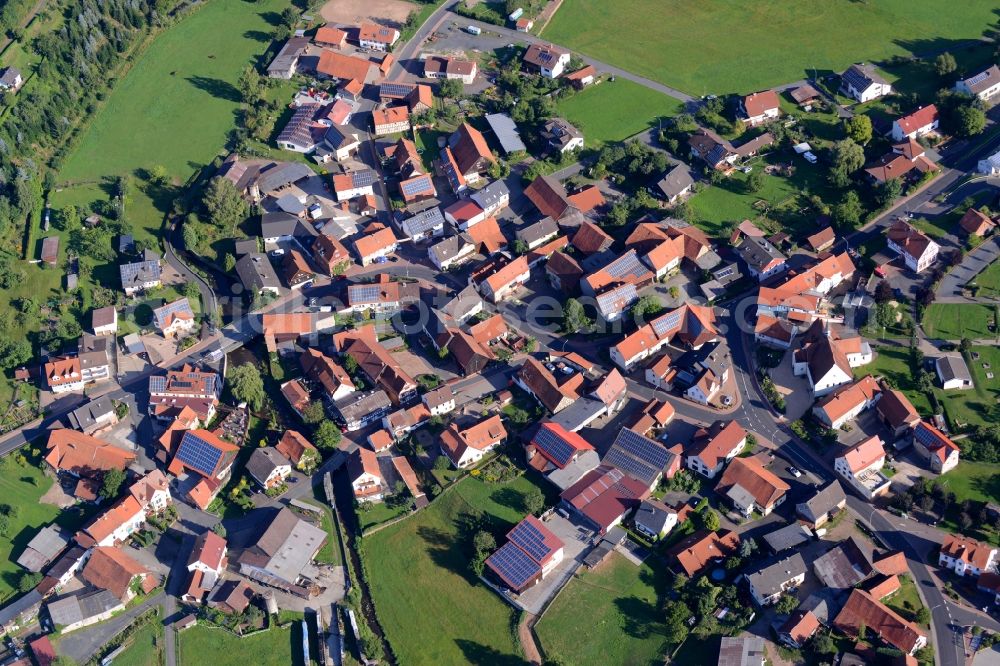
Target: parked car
[{"x": 794, "y": 471}]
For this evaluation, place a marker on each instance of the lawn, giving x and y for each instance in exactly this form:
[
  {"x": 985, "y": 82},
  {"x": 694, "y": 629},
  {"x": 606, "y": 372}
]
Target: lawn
[
  {"x": 766, "y": 43},
  {"x": 989, "y": 280},
  {"x": 777, "y": 206},
  {"x": 432, "y": 607},
  {"x": 208, "y": 645},
  {"x": 954, "y": 321},
  {"x": 614, "y": 111},
  {"x": 975, "y": 406},
  {"x": 22, "y": 487},
  {"x": 146, "y": 648},
  {"x": 623, "y": 604},
  {"x": 379, "y": 513},
  {"x": 893, "y": 363},
  {"x": 975, "y": 481},
  {"x": 329, "y": 553},
  {"x": 176, "y": 106},
  {"x": 906, "y": 601}
]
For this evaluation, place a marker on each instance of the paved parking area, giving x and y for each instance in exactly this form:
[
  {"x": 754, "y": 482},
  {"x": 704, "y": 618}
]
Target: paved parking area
[
  {"x": 798, "y": 398},
  {"x": 576, "y": 540}
]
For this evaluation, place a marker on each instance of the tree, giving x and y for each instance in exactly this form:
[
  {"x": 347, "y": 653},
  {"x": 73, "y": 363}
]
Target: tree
[
  {"x": 225, "y": 206},
  {"x": 308, "y": 461},
  {"x": 111, "y": 483},
  {"x": 945, "y": 64},
  {"x": 190, "y": 233},
  {"x": 327, "y": 435},
  {"x": 646, "y": 306},
  {"x": 862, "y": 631},
  {"x": 247, "y": 385},
  {"x": 849, "y": 211},
  {"x": 823, "y": 644},
  {"x": 755, "y": 181},
  {"x": 575, "y": 320},
  {"x": 710, "y": 519},
  {"x": 484, "y": 542},
  {"x": 450, "y": 88},
  {"x": 923, "y": 615},
  {"x": 14, "y": 353},
  {"x": 350, "y": 364},
  {"x": 534, "y": 501},
  {"x": 229, "y": 263},
  {"x": 28, "y": 581},
  {"x": 158, "y": 175},
  {"x": 705, "y": 595},
  {"x": 675, "y": 622},
  {"x": 4, "y": 525},
  {"x": 250, "y": 84},
  {"x": 846, "y": 157},
  {"x": 786, "y": 604},
  {"x": 965, "y": 344},
  {"x": 520, "y": 247},
  {"x": 859, "y": 129},
  {"x": 442, "y": 463},
  {"x": 313, "y": 412},
  {"x": 888, "y": 192},
  {"x": 970, "y": 120},
  {"x": 289, "y": 17}
]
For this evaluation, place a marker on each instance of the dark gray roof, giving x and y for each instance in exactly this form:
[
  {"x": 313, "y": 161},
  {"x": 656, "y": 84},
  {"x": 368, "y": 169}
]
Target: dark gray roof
[
  {"x": 652, "y": 515},
  {"x": 139, "y": 272},
  {"x": 747, "y": 651},
  {"x": 676, "y": 181},
  {"x": 286, "y": 546},
  {"x": 845, "y": 565},
  {"x": 86, "y": 416},
  {"x": 491, "y": 194},
  {"x": 245, "y": 246},
  {"x": 505, "y": 130},
  {"x": 824, "y": 501},
  {"x": 769, "y": 579},
  {"x": 19, "y": 606},
  {"x": 758, "y": 252},
  {"x": 257, "y": 273},
  {"x": 533, "y": 233},
  {"x": 461, "y": 305},
  {"x": 787, "y": 537},
  {"x": 264, "y": 461},
  {"x": 289, "y": 54},
  {"x": 43, "y": 548},
  {"x": 953, "y": 366},
  {"x": 282, "y": 174},
  {"x": 423, "y": 221},
  {"x": 449, "y": 246},
  {"x": 275, "y": 224},
  {"x": 358, "y": 405},
  {"x": 82, "y": 605}
]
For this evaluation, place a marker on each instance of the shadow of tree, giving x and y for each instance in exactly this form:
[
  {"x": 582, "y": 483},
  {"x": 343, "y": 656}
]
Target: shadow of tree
[
  {"x": 216, "y": 87},
  {"x": 510, "y": 498},
  {"x": 477, "y": 653},
  {"x": 258, "y": 36},
  {"x": 638, "y": 616}
]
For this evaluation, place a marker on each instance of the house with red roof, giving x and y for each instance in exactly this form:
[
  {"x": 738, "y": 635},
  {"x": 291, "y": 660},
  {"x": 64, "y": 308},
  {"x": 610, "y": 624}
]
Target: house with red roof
[
  {"x": 846, "y": 403},
  {"x": 935, "y": 447},
  {"x": 977, "y": 223},
  {"x": 562, "y": 456},
  {"x": 470, "y": 153},
  {"x": 918, "y": 250},
  {"x": 711, "y": 448},
  {"x": 366, "y": 476},
  {"x": 465, "y": 446},
  {"x": 693, "y": 553},
  {"x": 690, "y": 325},
  {"x": 967, "y": 557},
  {"x": 861, "y": 466},
  {"x": 879, "y": 621},
  {"x": 505, "y": 281},
  {"x": 915, "y": 125},
  {"x": 759, "y": 107},
  {"x": 751, "y": 487}
]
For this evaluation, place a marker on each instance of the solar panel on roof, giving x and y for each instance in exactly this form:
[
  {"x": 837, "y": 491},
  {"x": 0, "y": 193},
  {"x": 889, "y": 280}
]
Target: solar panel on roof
[
  {"x": 554, "y": 446},
  {"x": 198, "y": 454},
  {"x": 362, "y": 178},
  {"x": 513, "y": 565},
  {"x": 416, "y": 185},
  {"x": 529, "y": 539},
  {"x": 366, "y": 293},
  {"x": 627, "y": 264},
  {"x": 725, "y": 272},
  {"x": 923, "y": 435},
  {"x": 978, "y": 78},
  {"x": 668, "y": 322},
  {"x": 630, "y": 465},
  {"x": 642, "y": 448},
  {"x": 395, "y": 89}
]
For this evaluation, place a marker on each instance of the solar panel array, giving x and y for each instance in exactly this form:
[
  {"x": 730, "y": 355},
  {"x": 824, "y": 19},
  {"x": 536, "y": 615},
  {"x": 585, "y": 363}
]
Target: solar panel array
[
  {"x": 668, "y": 322},
  {"x": 198, "y": 454},
  {"x": 157, "y": 384},
  {"x": 923, "y": 435},
  {"x": 617, "y": 299},
  {"x": 424, "y": 221},
  {"x": 417, "y": 185},
  {"x": 725, "y": 272},
  {"x": 529, "y": 538},
  {"x": 978, "y": 78},
  {"x": 362, "y": 178},
  {"x": 395, "y": 89},
  {"x": 513, "y": 565},
  {"x": 363, "y": 293},
  {"x": 554, "y": 446},
  {"x": 627, "y": 264},
  {"x": 637, "y": 455},
  {"x": 178, "y": 306}
]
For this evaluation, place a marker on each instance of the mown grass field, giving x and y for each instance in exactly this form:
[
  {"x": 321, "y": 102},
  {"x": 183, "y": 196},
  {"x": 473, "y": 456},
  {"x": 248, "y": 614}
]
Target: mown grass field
[
  {"x": 623, "y": 602},
  {"x": 989, "y": 280},
  {"x": 975, "y": 481},
  {"x": 614, "y": 111},
  {"x": 721, "y": 46},
  {"x": 954, "y": 321},
  {"x": 274, "y": 647},
  {"x": 146, "y": 648},
  {"x": 432, "y": 607},
  {"x": 173, "y": 108}
]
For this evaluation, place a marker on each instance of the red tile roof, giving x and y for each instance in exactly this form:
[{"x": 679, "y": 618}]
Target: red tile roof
[
  {"x": 892, "y": 563},
  {"x": 920, "y": 118},
  {"x": 293, "y": 444},
  {"x": 880, "y": 620},
  {"x": 700, "y": 549},
  {"x": 604, "y": 495},
  {"x": 865, "y": 453},
  {"x": 590, "y": 239},
  {"x": 209, "y": 549},
  {"x": 967, "y": 550},
  {"x": 73, "y": 451},
  {"x": 756, "y": 104},
  {"x": 713, "y": 445},
  {"x": 112, "y": 569},
  {"x": 759, "y": 481}
]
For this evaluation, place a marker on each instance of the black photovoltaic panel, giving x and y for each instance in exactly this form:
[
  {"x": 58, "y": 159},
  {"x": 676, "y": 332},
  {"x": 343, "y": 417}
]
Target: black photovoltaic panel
[
  {"x": 428, "y": 219},
  {"x": 417, "y": 185},
  {"x": 630, "y": 465},
  {"x": 642, "y": 448},
  {"x": 627, "y": 264},
  {"x": 362, "y": 178},
  {"x": 157, "y": 384},
  {"x": 725, "y": 272},
  {"x": 395, "y": 89},
  {"x": 555, "y": 446},
  {"x": 198, "y": 454},
  {"x": 513, "y": 565},
  {"x": 527, "y": 537},
  {"x": 924, "y": 435}
]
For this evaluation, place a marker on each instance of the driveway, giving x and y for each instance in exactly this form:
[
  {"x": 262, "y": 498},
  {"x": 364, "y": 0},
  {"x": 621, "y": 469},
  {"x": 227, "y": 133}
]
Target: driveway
[{"x": 798, "y": 397}]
